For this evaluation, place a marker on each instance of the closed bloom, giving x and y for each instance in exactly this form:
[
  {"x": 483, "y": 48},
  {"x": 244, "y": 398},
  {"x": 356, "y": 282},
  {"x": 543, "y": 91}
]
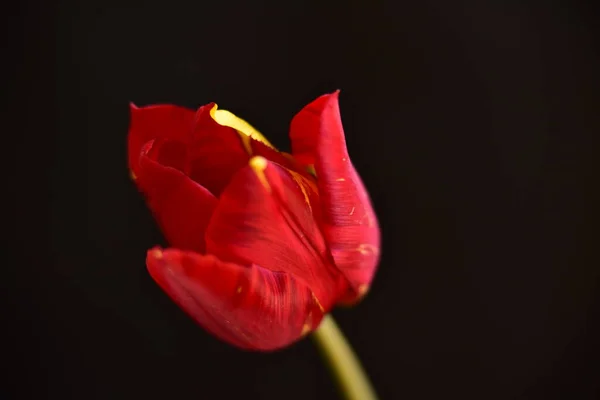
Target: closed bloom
[{"x": 260, "y": 248}]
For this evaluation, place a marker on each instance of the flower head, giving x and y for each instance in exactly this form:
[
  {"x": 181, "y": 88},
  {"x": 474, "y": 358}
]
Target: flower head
[{"x": 260, "y": 248}]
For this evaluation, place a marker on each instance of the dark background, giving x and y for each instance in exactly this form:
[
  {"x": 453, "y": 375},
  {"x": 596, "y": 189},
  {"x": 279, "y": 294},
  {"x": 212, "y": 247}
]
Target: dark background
[{"x": 471, "y": 123}]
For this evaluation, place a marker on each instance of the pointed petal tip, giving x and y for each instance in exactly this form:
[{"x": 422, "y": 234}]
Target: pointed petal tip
[
  {"x": 325, "y": 99},
  {"x": 333, "y": 96},
  {"x": 324, "y": 104}
]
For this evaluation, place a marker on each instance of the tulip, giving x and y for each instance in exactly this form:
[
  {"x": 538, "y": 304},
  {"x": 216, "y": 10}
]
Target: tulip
[{"x": 263, "y": 244}]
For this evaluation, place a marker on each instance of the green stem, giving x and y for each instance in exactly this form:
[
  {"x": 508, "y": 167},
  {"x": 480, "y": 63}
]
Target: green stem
[{"x": 350, "y": 375}]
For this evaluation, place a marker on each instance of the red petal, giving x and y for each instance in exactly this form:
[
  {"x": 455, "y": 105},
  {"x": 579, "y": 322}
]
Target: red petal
[
  {"x": 156, "y": 122},
  {"x": 216, "y": 152},
  {"x": 248, "y": 306},
  {"x": 181, "y": 206},
  {"x": 349, "y": 222},
  {"x": 265, "y": 217}
]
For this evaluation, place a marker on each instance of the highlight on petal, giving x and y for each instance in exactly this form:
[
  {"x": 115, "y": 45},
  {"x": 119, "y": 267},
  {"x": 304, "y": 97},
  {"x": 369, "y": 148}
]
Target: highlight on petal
[
  {"x": 348, "y": 221},
  {"x": 246, "y": 305},
  {"x": 156, "y": 122},
  {"x": 265, "y": 217},
  {"x": 181, "y": 206}
]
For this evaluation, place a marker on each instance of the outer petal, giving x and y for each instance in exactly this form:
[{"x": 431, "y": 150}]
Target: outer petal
[
  {"x": 248, "y": 306},
  {"x": 349, "y": 222},
  {"x": 181, "y": 206},
  {"x": 265, "y": 216},
  {"x": 156, "y": 122}
]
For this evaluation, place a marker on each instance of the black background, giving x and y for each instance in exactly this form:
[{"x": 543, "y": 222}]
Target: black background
[{"x": 471, "y": 123}]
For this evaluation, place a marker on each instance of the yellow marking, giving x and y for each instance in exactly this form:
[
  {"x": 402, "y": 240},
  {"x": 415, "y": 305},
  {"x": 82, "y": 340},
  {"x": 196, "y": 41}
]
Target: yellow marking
[
  {"x": 300, "y": 180},
  {"x": 239, "y": 290},
  {"x": 307, "y": 327},
  {"x": 243, "y": 128},
  {"x": 340, "y": 180},
  {"x": 305, "y": 330},
  {"x": 258, "y": 165},
  {"x": 311, "y": 170},
  {"x": 318, "y": 302},
  {"x": 365, "y": 249},
  {"x": 362, "y": 290},
  {"x": 132, "y": 175},
  {"x": 352, "y": 211},
  {"x": 157, "y": 253}
]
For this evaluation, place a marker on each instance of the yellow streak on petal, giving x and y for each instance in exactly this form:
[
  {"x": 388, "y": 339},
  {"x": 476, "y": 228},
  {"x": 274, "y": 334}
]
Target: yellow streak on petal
[
  {"x": 239, "y": 290},
  {"x": 311, "y": 170},
  {"x": 243, "y": 128},
  {"x": 132, "y": 175},
  {"x": 301, "y": 181},
  {"x": 258, "y": 165},
  {"x": 318, "y": 302},
  {"x": 308, "y": 323},
  {"x": 340, "y": 179},
  {"x": 365, "y": 249},
  {"x": 246, "y": 142}
]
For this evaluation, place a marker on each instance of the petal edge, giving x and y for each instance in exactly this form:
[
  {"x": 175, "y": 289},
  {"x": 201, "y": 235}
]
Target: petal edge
[
  {"x": 248, "y": 306},
  {"x": 348, "y": 221}
]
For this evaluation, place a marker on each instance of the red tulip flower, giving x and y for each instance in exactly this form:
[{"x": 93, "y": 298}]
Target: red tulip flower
[{"x": 263, "y": 243}]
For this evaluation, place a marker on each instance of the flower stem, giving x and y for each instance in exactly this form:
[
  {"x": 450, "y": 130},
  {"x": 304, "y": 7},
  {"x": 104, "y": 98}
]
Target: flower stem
[{"x": 350, "y": 375}]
